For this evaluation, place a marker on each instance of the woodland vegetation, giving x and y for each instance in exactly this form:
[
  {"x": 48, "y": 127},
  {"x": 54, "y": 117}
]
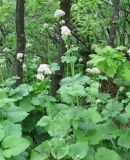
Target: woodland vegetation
[{"x": 65, "y": 80}]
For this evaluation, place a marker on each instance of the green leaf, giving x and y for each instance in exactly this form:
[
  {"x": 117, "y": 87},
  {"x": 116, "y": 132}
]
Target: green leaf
[
  {"x": 1, "y": 155},
  {"x": 44, "y": 121},
  {"x": 11, "y": 128},
  {"x": 54, "y": 67},
  {"x": 124, "y": 139},
  {"x": 78, "y": 150},
  {"x": 112, "y": 109},
  {"x": 16, "y": 114},
  {"x": 68, "y": 93},
  {"x": 91, "y": 115},
  {"x": 59, "y": 126},
  {"x": 94, "y": 136},
  {"x": 41, "y": 152},
  {"x": 2, "y": 134},
  {"x": 96, "y": 59},
  {"x": 5, "y": 102},
  {"x": 106, "y": 154},
  {"x": 127, "y": 109},
  {"x": 59, "y": 148},
  {"x": 123, "y": 118},
  {"x": 78, "y": 79},
  {"x": 26, "y": 104},
  {"x": 14, "y": 145},
  {"x": 21, "y": 91}
]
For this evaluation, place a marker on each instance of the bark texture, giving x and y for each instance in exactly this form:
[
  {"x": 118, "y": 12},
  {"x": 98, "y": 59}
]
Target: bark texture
[
  {"x": 20, "y": 48},
  {"x": 114, "y": 22}
]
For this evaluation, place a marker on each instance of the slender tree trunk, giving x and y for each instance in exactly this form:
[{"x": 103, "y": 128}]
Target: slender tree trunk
[
  {"x": 65, "y": 5},
  {"x": 20, "y": 48},
  {"x": 114, "y": 21}
]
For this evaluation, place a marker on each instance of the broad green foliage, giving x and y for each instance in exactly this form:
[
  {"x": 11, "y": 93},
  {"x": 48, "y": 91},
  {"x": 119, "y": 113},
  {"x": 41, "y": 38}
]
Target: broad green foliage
[
  {"x": 12, "y": 141},
  {"x": 112, "y": 62},
  {"x": 106, "y": 154},
  {"x": 14, "y": 145},
  {"x": 84, "y": 120}
]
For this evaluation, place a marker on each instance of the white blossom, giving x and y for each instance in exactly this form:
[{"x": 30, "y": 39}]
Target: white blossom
[
  {"x": 62, "y": 22},
  {"x": 19, "y": 56},
  {"x": 128, "y": 51},
  {"x": 40, "y": 77},
  {"x": 98, "y": 101},
  {"x": 6, "y": 50},
  {"x": 95, "y": 70},
  {"x": 66, "y": 46},
  {"x": 65, "y": 31},
  {"x": 24, "y": 67},
  {"x": 59, "y": 13},
  {"x": 94, "y": 46},
  {"x": 89, "y": 70},
  {"x": 28, "y": 45},
  {"x": 51, "y": 28},
  {"x": 45, "y": 25},
  {"x": 78, "y": 156},
  {"x": 44, "y": 68},
  {"x": 80, "y": 59}
]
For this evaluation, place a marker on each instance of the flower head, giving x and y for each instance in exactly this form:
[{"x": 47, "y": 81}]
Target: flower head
[
  {"x": 59, "y": 13},
  {"x": 62, "y": 22},
  {"x": 89, "y": 70},
  {"x": 6, "y": 50},
  {"x": 98, "y": 101},
  {"x": 45, "y": 25},
  {"x": 19, "y": 56},
  {"x": 128, "y": 51},
  {"x": 95, "y": 70},
  {"x": 51, "y": 28},
  {"x": 80, "y": 60},
  {"x": 65, "y": 31},
  {"x": 44, "y": 69},
  {"x": 40, "y": 77}
]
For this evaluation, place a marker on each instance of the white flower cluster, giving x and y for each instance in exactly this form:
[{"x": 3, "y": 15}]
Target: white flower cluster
[
  {"x": 40, "y": 77},
  {"x": 59, "y": 13},
  {"x": 128, "y": 52},
  {"x": 65, "y": 31},
  {"x": 98, "y": 101},
  {"x": 45, "y": 25},
  {"x": 6, "y": 50},
  {"x": 62, "y": 22},
  {"x": 80, "y": 60},
  {"x": 43, "y": 70},
  {"x": 20, "y": 57},
  {"x": 28, "y": 45},
  {"x": 94, "y": 70}
]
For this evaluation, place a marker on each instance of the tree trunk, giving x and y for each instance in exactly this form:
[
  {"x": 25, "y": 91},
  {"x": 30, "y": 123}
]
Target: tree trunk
[
  {"x": 20, "y": 48},
  {"x": 114, "y": 22},
  {"x": 65, "y": 5}
]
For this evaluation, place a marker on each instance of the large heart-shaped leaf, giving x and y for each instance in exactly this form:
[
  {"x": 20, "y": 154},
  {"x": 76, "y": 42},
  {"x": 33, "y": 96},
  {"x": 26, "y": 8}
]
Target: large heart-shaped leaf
[
  {"x": 41, "y": 152},
  {"x": 16, "y": 114},
  {"x": 78, "y": 150},
  {"x": 14, "y": 145},
  {"x": 106, "y": 154}
]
